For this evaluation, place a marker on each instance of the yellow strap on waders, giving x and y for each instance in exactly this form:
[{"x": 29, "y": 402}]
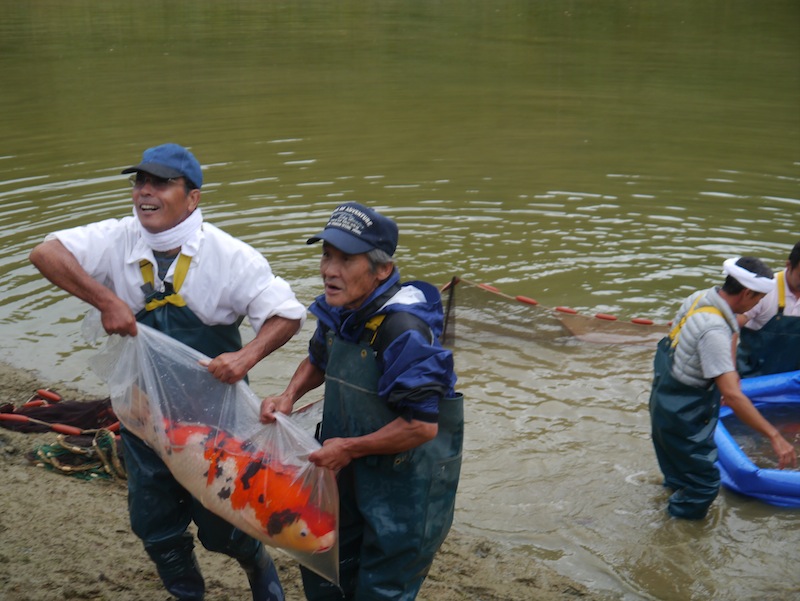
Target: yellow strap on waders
[
  {"x": 673, "y": 335},
  {"x": 181, "y": 269},
  {"x": 781, "y": 291},
  {"x": 373, "y": 324}
]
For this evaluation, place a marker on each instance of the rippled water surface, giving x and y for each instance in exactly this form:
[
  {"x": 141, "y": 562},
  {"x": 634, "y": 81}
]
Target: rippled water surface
[{"x": 601, "y": 156}]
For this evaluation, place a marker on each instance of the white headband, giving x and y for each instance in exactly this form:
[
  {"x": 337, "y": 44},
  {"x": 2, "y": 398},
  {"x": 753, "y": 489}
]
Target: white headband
[{"x": 748, "y": 279}]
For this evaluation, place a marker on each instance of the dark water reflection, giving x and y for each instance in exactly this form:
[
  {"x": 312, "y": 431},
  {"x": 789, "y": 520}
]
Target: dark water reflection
[{"x": 601, "y": 155}]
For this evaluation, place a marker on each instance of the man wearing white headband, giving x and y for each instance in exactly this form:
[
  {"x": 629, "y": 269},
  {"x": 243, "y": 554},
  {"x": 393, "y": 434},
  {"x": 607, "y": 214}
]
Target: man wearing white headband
[
  {"x": 693, "y": 366},
  {"x": 165, "y": 267},
  {"x": 769, "y": 342}
]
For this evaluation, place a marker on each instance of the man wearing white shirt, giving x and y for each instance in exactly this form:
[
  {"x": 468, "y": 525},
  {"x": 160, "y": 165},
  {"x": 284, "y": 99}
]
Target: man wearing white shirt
[
  {"x": 165, "y": 267},
  {"x": 770, "y": 337}
]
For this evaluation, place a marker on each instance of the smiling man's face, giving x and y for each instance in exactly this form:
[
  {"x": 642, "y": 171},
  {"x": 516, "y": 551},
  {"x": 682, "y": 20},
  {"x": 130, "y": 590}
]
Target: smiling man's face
[{"x": 162, "y": 204}]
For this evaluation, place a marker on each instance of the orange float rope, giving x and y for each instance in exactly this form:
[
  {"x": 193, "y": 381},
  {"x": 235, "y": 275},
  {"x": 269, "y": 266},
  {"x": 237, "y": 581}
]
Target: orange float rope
[{"x": 613, "y": 329}]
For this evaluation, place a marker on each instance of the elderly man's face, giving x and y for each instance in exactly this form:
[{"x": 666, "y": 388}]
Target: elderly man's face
[
  {"x": 162, "y": 204},
  {"x": 348, "y": 279}
]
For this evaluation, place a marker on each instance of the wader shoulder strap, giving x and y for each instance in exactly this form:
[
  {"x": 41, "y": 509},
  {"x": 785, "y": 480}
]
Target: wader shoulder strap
[
  {"x": 372, "y": 325},
  {"x": 173, "y": 298},
  {"x": 148, "y": 276},
  {"x": 381, "y": 330},
  {"x": 781, "y": 292},
  {"x": 675, "y": 333}
]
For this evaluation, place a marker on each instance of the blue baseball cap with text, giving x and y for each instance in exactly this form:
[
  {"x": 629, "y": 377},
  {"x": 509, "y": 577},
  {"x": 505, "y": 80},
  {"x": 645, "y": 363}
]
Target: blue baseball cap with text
[
  {"x": 355, "y": 229},
  {"x": 170, "y": 161}
]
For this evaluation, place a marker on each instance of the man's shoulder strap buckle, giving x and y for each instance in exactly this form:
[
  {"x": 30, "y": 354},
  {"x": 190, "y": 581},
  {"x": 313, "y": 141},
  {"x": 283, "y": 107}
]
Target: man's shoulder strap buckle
[{"x": 373, "y": 324}]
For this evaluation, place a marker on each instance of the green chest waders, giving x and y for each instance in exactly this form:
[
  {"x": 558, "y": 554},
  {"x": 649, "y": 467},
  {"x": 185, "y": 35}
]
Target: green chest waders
[
  {"x": 395, "y": 510},
  {"x": 161, "y": 509},
  {"x": 683, "y": 419},
  {"x": 167, "y": 312},
  {"x": 775, "y": 348}
]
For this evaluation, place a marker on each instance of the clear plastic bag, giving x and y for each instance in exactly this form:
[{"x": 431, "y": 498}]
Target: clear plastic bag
[{"x": 255, "y": 476}]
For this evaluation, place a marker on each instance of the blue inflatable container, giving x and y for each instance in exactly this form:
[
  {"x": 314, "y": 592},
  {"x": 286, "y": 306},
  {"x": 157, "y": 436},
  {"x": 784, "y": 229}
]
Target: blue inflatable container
[{"x": 738, "y": 472}]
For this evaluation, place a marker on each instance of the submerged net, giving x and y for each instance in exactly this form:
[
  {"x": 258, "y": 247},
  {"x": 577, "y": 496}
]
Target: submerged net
[{"x": 526, "y": 317}]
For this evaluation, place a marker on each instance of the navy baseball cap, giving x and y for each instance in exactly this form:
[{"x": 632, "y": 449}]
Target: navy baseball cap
[
  {"x": 356, "y": 229},
  {"x": 169, "y": 161}
]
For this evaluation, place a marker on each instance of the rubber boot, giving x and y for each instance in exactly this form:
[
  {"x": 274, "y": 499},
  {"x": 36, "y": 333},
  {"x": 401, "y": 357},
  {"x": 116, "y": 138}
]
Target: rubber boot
[
  {"x": 189, "y": 587},
  {"x": 179, "y": 572},
  {"x": 263, "y": 577}
]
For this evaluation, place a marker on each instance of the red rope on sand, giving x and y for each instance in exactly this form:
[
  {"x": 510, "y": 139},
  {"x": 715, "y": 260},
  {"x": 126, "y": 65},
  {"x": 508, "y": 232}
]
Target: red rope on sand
[{"x": 36, "y": 408}]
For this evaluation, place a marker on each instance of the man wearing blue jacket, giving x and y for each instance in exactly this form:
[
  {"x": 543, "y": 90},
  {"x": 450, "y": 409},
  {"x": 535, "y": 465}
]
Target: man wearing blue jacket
[{"x": 392, "y": 423}]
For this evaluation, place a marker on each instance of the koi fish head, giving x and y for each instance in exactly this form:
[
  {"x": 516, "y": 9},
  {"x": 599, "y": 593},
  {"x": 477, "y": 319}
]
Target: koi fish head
[{"x": 307, "y": 530}]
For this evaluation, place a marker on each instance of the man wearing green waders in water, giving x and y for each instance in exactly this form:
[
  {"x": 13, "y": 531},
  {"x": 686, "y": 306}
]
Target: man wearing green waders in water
[
  {"x": 392, "y": 424},
  {"x": 693, "y": 366},
  {"x": 165, "y": 267}
]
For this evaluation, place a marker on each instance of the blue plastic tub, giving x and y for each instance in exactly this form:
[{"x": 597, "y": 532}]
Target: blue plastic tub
[{"x": 738, "y": 472}]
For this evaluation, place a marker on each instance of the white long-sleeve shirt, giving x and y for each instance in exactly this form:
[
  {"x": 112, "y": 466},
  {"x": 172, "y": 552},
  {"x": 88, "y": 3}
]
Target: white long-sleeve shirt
[{"x": 227, "y": 279}]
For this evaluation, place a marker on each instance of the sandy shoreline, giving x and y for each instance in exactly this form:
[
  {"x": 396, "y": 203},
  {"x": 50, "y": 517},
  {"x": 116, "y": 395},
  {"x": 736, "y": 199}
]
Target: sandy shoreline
[{"x": 66, "y": 538}]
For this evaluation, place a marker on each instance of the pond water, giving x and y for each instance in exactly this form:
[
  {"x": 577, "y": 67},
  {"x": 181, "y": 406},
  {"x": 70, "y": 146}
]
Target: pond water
[
  {"x": 602, "y": 156},
  {"x": 786, "y": 418}
]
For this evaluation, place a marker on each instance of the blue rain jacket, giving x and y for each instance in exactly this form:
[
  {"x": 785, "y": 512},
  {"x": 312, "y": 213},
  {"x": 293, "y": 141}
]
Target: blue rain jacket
[{"x": 416, "y": 371}]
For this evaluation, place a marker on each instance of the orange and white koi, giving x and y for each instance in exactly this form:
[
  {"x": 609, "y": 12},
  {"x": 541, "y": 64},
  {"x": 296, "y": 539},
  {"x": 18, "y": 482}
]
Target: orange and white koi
[{"x": 240, "y": 480}]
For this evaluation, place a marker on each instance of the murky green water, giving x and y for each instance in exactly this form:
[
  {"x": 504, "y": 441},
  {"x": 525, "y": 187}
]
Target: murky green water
[
  {"x": 600, "y": 155},
  {"x": 786, "y": 418}
]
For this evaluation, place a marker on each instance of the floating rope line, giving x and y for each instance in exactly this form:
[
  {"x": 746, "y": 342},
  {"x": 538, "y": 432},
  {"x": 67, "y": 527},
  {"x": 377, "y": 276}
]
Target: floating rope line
[{"x": 601, "y": 327}]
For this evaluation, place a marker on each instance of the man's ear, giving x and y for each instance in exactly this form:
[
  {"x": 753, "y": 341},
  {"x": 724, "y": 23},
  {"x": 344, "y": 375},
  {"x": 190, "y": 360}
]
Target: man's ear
[
  {"x": 753, "y": 295},
  {"x": 194, "y": 198},
  {"x": 384, "y": 270}
]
